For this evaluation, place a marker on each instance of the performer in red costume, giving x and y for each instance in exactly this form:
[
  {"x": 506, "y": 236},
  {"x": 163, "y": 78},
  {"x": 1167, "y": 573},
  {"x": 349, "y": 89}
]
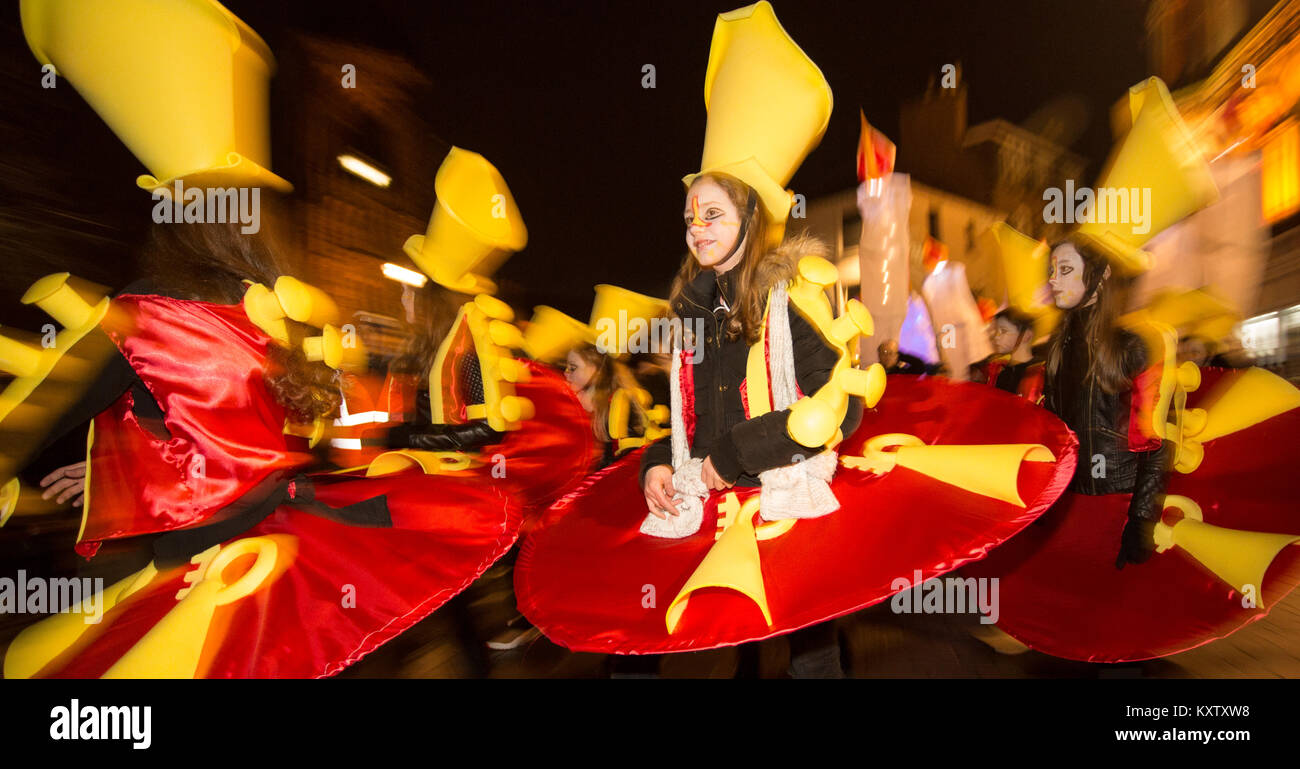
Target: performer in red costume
[
  {"x": 1012, "y": 366},
  {"x": 751, "y": 531},
  {"x": 258, "y": 568},
  {"x": 1176, "y": 528}
]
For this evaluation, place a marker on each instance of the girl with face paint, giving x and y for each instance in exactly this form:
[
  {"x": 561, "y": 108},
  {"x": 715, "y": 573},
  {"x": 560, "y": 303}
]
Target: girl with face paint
[
  {"x": 1095, "y": 384},
  {"x": 724, "y": 282}
]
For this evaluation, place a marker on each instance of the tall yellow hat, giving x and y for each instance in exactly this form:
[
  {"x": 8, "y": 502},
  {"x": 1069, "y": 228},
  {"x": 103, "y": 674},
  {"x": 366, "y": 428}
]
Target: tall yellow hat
[
  {"x": 619, "y": 316},
  {"x": 1024, "y": 267},
  {"x": 183, "y": 83},
  {"x": 551, "y": 334},
  {"x": 768, "y": 106},
  {"x": 1158, "y": 154},
  {"x": 474, "y": 228}
]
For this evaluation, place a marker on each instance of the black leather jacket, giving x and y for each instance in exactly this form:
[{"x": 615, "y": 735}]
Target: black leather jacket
[
  {"x": 1101, "y": 421},
  {"x": 742, "y": 448}
]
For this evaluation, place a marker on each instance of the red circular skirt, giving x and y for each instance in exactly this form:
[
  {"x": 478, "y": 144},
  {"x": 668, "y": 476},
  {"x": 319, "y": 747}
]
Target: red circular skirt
[
  {"x": 1061, "y": 594},
  {"x": 592, "y": 582},
  {"x": 342, "y": 591}
]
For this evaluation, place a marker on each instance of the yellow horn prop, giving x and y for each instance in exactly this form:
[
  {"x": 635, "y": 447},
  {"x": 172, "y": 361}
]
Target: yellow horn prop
[
  {"x": 306, "y": 303},
  {"x": 731, "y": 563},
  {"x": 172, "y": 648},
  {"x": 855, "y": 320},
  {"x": 262, "y": 307},
  {"x": 990, "y": 470},
  {"x": 327, "y": 347},
  {"x": 429, "y": 462},
  {"x": 1252, "y": 396},
  {"x": 39, "y": 644},
  {"x": 815, "y": 420},
  {"x": 494, "y": 308},
  {"x": 19, "y": 358},
  {"x": 1239, "y": 558},
  {"x": 53, "y": 295},
  {"x": 505, "y": 334},
  {"x": 516, "y": 408}
]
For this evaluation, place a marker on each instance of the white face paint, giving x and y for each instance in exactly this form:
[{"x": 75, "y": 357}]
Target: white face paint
[
  {"x": 1066, "y": 277},
  {"x": 712, "y": 225}
]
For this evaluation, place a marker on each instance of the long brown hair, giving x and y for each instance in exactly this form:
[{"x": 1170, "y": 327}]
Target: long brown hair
[
  {"x": 436, "y": 308},
  {"x": 1101, "y": 330},
  {"x": 208, "y": 262},
  {"x": 610, "y": 376},
  {"x": 755, "y": 273}
]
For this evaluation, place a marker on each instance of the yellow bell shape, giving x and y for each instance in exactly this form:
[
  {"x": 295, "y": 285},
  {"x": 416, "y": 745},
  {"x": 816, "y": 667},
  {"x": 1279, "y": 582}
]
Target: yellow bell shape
[
  {"x": 474, "y": 228},
  {"x": 1239, "y": 558},
  {"x": 1241, "y": 399},
  {"x": 1025, "y": 267},
  {"x": 40, "y": 643},
  {"x": 551, "y": 334},
  {"x": 183, "y": 83},
  {"x": 619, "y": 315},
  {"x": 768, "y": 107},
  {"x": 732, "y": 562},
  {"x": 990, "y": 470},
  {"x": 1158, "y": 154}
]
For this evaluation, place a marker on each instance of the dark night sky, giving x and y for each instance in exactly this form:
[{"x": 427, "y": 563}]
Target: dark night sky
[{"x": 551, "y": 94}]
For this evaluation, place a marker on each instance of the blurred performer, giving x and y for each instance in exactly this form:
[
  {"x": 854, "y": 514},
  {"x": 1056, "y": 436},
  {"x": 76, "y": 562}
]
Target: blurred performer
[
  {"x": 898, "y": 362},
  {"x": 1013, "y": 366},
  {"x": 596, "y": 378},
  {"x": 1093, "y": 371},
  {"x": 217, "y": 380},
  {"x": 1155, "y": 436},
  {"x": 741, "y": 525}
]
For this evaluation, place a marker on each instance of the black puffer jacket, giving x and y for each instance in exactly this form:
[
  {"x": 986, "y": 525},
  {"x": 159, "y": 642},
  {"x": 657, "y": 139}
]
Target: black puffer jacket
[
  {"x": 742, "y": 448},
  {"x": 1101, "y": 421}
]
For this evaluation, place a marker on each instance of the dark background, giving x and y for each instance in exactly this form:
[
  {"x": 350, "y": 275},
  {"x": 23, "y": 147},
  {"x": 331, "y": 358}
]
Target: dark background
[{"x": 551, "y": 93}]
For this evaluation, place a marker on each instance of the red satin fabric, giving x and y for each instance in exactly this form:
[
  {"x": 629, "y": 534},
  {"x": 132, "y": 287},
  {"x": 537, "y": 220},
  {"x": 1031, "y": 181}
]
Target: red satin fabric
[
  {"x": 446, "y": 532},
  {"x": 447, "y": 529},
  {"x": 1061, "y": 594},
  {"x": 203, "y": 364},
  {"x": 549, "y": 453},
  {"x": 590, "y": 581}
]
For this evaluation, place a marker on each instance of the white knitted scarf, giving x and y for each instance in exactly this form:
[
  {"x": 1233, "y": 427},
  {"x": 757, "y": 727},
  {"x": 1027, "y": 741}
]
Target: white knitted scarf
[{"x": 798, "y": 490}]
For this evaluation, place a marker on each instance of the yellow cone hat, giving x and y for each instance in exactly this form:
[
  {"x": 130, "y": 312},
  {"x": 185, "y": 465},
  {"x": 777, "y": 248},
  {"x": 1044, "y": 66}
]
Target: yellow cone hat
[
  {"x": 619, "y": 316},
  {"x": 1158, "y": 154},
  {"x": 1024, "y": 265},
  {"x": 183, "y": 83},
  {"x": 551, "y": 334},
  {"x": 768, "y": 107},
  {"x": 474, "y": 228}
]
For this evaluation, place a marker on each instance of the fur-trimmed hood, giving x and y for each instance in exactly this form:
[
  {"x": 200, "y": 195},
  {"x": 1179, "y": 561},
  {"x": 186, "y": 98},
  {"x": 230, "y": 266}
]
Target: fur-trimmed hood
[{"x": 778, "y": 266}]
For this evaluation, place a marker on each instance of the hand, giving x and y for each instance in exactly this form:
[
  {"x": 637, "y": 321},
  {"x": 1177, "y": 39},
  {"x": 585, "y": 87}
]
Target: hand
[
  {"x": 711, "y": 478},
  {"x": 1136, "y": 543},
  {"x": 66, "y": 483},
  {"x": 659, "y": 491}
]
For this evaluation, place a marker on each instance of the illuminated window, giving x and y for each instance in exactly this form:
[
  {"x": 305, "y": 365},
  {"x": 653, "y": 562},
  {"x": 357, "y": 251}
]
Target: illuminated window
[{"x": 1280, "y": 176}]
